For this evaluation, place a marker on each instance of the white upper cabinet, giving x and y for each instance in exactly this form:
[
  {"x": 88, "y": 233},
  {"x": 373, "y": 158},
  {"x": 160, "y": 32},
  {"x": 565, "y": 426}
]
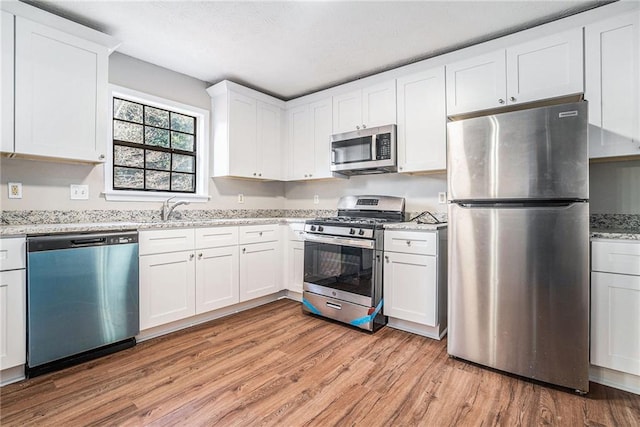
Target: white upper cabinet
[
  {"x": 247, "y": 132},
  {"x": 61, "y": 94},
  {"x": 612, "y": 70},
  {"x": 368, "y": 107},
  {"x": 477, "y": 83},
  {"x": 547, "y": 67},
  {"x": 422, "y": 117},
  {"x": 6, "y": 88},
  {"x": 309, "y": 140}
]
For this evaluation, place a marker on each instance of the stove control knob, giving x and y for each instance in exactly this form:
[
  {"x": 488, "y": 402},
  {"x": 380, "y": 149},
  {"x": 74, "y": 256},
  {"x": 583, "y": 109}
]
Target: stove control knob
[
  {"x": 320, "y": 228},
  {"x": 312, "y": 228},
  {"x": 361, "y": 232},
  {"x": 352, "y": 231}
]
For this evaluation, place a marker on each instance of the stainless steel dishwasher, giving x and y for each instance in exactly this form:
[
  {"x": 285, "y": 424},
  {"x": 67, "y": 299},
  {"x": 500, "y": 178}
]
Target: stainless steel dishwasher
[{"x": 82, "y": 298}]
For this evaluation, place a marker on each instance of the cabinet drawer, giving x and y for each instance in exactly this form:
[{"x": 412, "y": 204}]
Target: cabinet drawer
[
  {"x": 216, "y": 237},
  {"x": 258, "y": 233},
  {"x": 12, "y": 253},
  {"x": 615, "y": 256},
  {"x": 161, "y": 241},
  {"x": 295, "y": 231},
  {"x": 411, "y": 242}
]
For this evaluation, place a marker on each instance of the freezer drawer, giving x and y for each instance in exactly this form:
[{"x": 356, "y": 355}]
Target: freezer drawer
[
  {"x": 519, "y": 290},
  {"x": 539, "y": 153}
]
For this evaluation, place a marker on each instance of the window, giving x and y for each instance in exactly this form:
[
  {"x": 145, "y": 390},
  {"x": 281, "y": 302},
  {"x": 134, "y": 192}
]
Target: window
[{"x": 158, "y": 149}]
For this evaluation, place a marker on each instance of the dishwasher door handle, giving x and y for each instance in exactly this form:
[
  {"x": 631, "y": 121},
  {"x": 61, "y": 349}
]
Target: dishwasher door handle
[{"x": 89, "y": 242}]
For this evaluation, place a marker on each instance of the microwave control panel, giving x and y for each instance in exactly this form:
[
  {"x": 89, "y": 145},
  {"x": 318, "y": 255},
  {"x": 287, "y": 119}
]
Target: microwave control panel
[{"x": 383, "y": 146}]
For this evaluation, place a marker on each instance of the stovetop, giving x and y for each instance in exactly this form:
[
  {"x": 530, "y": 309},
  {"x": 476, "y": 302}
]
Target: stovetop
[{"x": 349, "y": 221}]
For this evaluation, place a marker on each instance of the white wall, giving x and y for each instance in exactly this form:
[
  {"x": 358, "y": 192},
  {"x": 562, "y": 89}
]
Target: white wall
[
  {"x": 46, "y": 184},
  {"x": 420, "y": 191},
  {"x": 615, "y": 187}
]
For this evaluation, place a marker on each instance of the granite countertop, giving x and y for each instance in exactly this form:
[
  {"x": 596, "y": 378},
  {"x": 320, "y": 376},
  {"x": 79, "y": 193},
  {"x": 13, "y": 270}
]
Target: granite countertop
[
  {"x": 612, "y": 233},
  {"x": 414, "y": 226},
  {"x": 34, "y": 229}
]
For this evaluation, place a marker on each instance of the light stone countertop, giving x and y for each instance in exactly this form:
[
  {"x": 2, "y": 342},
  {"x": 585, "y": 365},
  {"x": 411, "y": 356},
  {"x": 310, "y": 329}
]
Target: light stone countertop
[
  {"x": 35, "y": 229},
  {"x": 615, "y": 234},
  {"x": 414, "y": 226}
]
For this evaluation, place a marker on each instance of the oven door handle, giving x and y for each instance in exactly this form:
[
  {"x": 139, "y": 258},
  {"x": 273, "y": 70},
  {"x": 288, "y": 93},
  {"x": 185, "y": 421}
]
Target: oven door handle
[{"x": 340, "y": 241}]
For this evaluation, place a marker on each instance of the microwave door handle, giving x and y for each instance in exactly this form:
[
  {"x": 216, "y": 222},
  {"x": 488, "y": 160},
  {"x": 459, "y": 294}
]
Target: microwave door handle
[
  {"x": 374, "y": 140},
  {"x": 333, "y": 157}
]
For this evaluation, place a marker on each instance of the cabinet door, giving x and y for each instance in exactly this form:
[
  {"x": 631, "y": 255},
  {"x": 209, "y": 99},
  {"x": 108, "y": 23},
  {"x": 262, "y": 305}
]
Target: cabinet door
[
  {"x": 242, "y": 135},
  {"x": 476, "y": 84},
  {"x": 422, "y": 122},
  {"x": 260, "y": 269},
  {"x": 321, "y": 125},
  {"x": 12, "y": 318},
  {"x": 61, "y": 94},
  {"x": 269, "y": 123},
  {"x": 295, "y": 270},
  {"x": 6, "y": 85},
  {"x": 347, "y": 112},
  {"x": 217, "y": 282},
  {"x": 301, "y": 149},
  {"x": 379, "y": 104},
  {"x": 410, "y": 291},
  {"x": 167, "y": 288},
  {"x": 612, "y": 67},
  {"x": 545, "y": 68},
  {"x": 615, "y": 321}
]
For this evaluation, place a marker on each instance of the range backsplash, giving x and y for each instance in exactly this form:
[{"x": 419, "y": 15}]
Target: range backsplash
[{"x": 615, "y": 221}]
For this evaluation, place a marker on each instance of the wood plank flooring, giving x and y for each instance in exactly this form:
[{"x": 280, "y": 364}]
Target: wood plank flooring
[{"x": 274, "y": 365}]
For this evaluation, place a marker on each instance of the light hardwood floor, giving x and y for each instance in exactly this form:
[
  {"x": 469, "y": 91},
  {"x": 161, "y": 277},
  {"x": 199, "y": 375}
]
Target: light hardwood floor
[{"x": 274, "y": 365}]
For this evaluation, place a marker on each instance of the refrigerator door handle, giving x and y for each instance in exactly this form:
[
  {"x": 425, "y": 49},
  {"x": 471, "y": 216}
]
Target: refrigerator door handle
[{"x": 519, "y": 205}]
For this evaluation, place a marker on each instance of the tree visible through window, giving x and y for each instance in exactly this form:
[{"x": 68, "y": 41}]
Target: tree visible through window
[{"x": 153, "y": 149}]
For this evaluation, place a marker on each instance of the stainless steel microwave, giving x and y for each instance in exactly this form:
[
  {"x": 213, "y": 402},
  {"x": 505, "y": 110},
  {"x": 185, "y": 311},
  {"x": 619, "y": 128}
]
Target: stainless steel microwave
[{"x": 365, "y": 151}]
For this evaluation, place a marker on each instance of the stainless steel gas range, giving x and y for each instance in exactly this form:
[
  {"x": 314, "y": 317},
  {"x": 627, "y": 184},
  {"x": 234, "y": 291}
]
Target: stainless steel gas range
[{"x": 343, "y": 260}]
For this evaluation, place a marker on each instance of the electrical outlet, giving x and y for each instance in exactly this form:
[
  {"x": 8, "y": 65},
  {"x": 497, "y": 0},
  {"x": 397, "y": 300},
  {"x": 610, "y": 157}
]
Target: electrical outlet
[
  {"x": 78, "y": 192},
  {"x": 240, "y": 198},
  {"x": 316, "y": 199},
  {"x": 442, "y": 197},
  {"x": 15, "y": 190}
]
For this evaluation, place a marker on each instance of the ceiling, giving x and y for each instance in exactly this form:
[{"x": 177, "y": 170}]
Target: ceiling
[{"x": 291, "y": 48}]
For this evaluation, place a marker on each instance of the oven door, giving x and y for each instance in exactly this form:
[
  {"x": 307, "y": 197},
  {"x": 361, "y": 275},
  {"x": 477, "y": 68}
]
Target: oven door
[{"x": 342, "y": 268}]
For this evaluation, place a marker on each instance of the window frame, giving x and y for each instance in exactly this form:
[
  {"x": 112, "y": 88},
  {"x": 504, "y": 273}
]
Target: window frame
[{"x": 201, "y": 149}]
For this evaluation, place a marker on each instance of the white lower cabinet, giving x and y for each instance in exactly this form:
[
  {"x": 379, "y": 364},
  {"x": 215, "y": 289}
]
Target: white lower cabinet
[
  {"x": 260, "y": 267},
  {"x": 295, "y": 259},
  {"x": 410, "y": 289},
  {"x": 217, "y": 272},
  {"x": 12, "y": 309},
  {"x": 615, "y": 305},
  {"x": 167, "y": 288},
  {"x": 186, "y": 272},
  {"x": 415, "y": 294}
]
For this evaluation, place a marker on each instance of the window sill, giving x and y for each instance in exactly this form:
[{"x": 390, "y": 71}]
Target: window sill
[{"x": 143, "y": 196}]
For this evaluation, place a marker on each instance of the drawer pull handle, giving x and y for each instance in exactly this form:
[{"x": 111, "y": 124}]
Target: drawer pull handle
[
  {"x": 191, "y": 256},
  {"x": 334, "y": 306},
  {"x": 408, "y": 242}
]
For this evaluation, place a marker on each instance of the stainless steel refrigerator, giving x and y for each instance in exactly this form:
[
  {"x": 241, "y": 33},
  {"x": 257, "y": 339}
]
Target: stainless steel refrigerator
[{"x": 518, "y": 186}]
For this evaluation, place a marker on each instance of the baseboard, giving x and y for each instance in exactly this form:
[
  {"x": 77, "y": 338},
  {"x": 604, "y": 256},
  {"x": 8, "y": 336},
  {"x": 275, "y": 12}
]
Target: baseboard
[
  {"x": 416, "y": 328},
  {"x": 157, "y": 331},
  {"x": 12, "y": 375},
  {"x": 293, "y": 295},
  {"x": 615, "y": 379}
]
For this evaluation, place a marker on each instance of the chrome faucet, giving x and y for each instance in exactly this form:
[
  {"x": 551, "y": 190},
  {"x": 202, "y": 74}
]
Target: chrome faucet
[{"x": 167, "y": 208}]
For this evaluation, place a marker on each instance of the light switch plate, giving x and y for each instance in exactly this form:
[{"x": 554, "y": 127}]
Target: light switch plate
[
  {"x": 240, "y": 198},
  {"x": 442, "y": 197},
  {"x": 15, "y": 190},
  {"x": 79, "y": 192},
  {"x": 316, "y": 199}
]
